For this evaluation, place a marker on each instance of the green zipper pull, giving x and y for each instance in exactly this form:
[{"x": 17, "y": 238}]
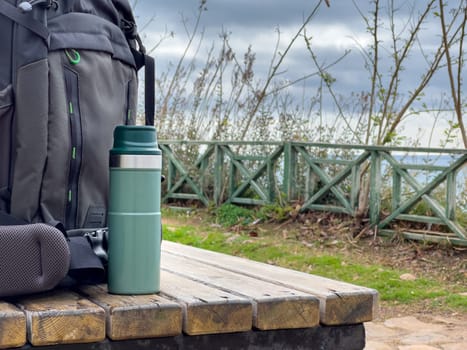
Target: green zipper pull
[{"x": 73, "y": 56}]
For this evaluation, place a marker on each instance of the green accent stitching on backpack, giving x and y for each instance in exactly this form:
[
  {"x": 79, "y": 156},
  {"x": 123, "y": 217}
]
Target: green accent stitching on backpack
[
  {"x": 128, "y": 115},
  {"x": 75, "y": 58}
]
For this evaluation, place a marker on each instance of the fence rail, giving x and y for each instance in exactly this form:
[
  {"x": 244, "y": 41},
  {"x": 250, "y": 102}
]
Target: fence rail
[{"x": 419, "y": 193}]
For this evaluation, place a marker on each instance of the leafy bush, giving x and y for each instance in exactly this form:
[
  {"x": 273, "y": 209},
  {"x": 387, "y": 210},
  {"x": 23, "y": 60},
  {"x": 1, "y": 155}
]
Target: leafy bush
[
  {"x": 229, "y": 215},
  {"x": 274, "y": 212}
]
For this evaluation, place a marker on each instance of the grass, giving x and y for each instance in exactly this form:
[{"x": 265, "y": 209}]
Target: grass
[{"x": 333, "y": 261}]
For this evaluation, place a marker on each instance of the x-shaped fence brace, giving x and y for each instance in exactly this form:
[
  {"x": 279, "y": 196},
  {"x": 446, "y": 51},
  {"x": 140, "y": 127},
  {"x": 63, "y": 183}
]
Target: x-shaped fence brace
[
  {"x": 257, "y": 185},
  {"x": 423, "y": 193}
]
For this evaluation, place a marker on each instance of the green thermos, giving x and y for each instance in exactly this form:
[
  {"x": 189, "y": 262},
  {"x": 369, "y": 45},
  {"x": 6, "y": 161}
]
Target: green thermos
[{"x": 134, "y": 217}]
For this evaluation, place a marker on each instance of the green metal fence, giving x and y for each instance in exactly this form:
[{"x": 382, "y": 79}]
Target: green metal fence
[{"x": 419, "y": 193}]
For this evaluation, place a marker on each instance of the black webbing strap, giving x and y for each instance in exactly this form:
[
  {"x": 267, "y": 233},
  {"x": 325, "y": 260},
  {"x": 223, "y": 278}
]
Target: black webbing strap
[
  {"x": 142, "y": 59},
  {"x": 149, "y": 89},
  {"x": 85, "y": 265},
  {"x": 9, "y": 220},
  {"x": 25, "y": 19}
]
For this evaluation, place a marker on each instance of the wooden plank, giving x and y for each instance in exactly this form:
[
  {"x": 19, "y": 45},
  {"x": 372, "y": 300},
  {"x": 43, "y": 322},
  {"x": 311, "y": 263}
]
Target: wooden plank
[
  {"x": 12, "y": 326},
  {"x": 428, "y": 236},
  {"x": 340, "y": 303},
  {"x": 62, "y": 317},
  {"x": 136, "y": 316},
  {"x": 420, "y": 218},
  {"x": 274, "y": 306},
  {"x": 207, "y": 310}
]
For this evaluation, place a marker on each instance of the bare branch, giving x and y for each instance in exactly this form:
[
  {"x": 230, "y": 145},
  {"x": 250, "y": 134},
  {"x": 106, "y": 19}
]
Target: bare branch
[
  {"x": 456, "y": 95},
  {"x": 262, "y": 93},
  {"x": 192, "y": 36}
]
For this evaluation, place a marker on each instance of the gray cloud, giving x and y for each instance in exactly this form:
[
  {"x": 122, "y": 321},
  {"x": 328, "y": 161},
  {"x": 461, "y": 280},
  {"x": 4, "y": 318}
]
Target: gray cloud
[
  {"x": 255, "y": 23},
  {"x": 243, "y": 13}
]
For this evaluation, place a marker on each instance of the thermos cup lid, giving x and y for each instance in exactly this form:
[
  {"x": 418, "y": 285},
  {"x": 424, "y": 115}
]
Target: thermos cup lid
[{"x": 135, "y": 139}]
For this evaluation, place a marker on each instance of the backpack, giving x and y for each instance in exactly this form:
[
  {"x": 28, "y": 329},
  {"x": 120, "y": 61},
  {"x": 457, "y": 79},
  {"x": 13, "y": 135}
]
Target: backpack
[{"x": 68, "y": 77}]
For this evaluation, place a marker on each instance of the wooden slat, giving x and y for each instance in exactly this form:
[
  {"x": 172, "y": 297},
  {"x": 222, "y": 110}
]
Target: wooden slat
[
  {"x": 207, "y": 310},
  {"x": 136, "y": 316},
  {"x": 340, "y": 303},
  {"x": 12, "y": 326},
  {"x": 62, "y": 317},
  {"x": 274, "y": 306}
]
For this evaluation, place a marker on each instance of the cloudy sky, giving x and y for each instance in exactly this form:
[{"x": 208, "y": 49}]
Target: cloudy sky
[{"x": 334, "y": 30}]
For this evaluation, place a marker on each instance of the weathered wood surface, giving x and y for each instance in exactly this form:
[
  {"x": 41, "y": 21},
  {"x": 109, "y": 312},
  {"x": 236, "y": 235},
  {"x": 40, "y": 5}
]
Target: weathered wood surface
[
  {"x": 12, "y": 326},
  {"x": 340, "y": 303},
  {"x": 274, "y": 306},
  {"x": 207, "y": 310},
  {"x": 62, "y": 317},
  {"x": 136, "y": 316},
  {"x": 204, "y": 296}
]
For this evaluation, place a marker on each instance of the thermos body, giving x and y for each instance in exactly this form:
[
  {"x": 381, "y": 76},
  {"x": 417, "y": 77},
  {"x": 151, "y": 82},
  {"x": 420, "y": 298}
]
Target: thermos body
[{"x": 134, "y": 216}]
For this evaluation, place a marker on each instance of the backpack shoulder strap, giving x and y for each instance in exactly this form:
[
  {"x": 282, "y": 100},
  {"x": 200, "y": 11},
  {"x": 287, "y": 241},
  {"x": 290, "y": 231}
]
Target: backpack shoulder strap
[
  {"x": 9, "y": 220},
  {"x": 129, "y": 28},
  {"x": 25, "y": 19}
]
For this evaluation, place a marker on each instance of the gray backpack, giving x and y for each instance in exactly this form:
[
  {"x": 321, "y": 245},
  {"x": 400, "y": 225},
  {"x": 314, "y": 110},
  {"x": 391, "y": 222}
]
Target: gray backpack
[{"x": 68, "y": 77}]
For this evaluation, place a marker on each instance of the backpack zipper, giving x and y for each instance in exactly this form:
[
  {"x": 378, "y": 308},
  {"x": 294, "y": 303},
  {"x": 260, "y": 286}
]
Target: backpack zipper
[{"x": 72, "y": 92}]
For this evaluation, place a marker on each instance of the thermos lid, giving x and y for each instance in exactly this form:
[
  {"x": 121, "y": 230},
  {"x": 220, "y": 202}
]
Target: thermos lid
[{"x": 135, "y": 139}]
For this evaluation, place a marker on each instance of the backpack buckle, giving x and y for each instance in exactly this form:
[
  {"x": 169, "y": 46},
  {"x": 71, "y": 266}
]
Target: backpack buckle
[{"x": 98, "y": 240}]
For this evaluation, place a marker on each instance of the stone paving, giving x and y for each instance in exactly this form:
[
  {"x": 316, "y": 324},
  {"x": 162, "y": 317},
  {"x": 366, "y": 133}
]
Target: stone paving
[{"x": 410, "y": 333}]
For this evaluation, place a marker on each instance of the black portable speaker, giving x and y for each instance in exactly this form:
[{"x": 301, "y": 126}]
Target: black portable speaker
[{"x": 33, "y": 258}]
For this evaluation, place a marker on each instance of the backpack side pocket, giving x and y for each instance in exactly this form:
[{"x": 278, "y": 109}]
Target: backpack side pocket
[
  {"x": 29, "y": 149},
  {"x": 104, "y": 103},
  {"x": 6, "y": 118}
]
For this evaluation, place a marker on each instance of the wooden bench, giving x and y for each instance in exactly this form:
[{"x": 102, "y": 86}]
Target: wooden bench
[{"x": 207, "y": 301}]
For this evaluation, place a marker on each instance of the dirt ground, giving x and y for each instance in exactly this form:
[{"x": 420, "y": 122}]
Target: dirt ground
[
  {"x": 447, "y": 264},
  {"x": 337, "y": 234}
]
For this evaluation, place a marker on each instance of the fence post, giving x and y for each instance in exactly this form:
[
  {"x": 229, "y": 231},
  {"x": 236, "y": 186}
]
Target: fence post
[
  {"x": 171, "y": 170},
  {"x": 219, "y": 174},
  {"x": 355, "y": 190},
  {"x": 375, "y": 188},
  {"x": 396, "y": 190},
  {"x": 290, "y": 163},
  {"x": 451, "y": 195},
  {"x": 271, "y": 179}
]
